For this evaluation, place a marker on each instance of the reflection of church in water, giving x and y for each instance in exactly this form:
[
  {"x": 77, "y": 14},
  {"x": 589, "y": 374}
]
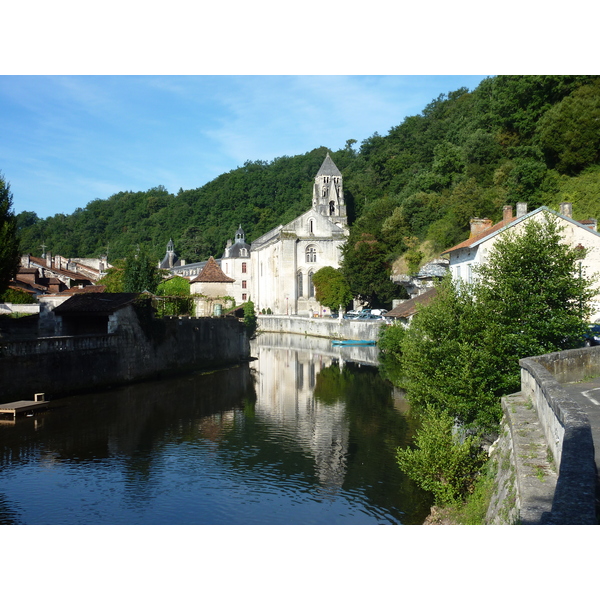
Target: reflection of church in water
[{"x": 286, "y": 381}]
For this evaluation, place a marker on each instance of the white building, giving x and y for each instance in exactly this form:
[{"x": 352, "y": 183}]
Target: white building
[
  {"x": 285, "y": 259},
  {"x": 465, "y": 257}
]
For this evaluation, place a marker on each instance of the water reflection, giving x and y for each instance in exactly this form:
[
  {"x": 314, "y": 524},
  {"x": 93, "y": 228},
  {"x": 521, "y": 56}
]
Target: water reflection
[{"x": 304, "y": 434}]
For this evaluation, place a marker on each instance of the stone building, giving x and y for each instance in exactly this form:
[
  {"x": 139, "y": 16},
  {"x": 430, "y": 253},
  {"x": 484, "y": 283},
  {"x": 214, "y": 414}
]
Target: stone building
[
  {"x": 214, "y": 289},
  {"x": 285, "y": 259}
]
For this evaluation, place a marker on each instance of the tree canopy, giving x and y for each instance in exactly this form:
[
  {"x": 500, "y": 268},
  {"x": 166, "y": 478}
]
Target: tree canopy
[{"x": 9, "y": 245}]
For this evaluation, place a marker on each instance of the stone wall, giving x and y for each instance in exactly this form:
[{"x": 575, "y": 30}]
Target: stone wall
[
  {"x": 344, "y": 329},
  {"x": 566, "y": 429},
  {"x": 138, "y": 351}
]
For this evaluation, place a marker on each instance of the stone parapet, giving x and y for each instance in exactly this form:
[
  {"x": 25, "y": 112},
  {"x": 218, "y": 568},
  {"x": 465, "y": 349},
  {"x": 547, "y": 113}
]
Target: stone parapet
[{"x": 567, "y": 431}]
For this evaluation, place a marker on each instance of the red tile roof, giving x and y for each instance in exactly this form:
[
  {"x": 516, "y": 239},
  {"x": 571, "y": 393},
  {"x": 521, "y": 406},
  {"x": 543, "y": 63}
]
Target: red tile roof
[
  {"x": 212, "y": 273},
  {"x": 477, "y": 238}
]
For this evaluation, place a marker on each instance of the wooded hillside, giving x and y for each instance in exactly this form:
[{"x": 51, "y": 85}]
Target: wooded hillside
[{"x": 515, "y": 138}]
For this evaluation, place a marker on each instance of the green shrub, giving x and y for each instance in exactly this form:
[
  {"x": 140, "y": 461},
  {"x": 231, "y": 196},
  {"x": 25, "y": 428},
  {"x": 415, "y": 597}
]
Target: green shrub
[{"x": 442, "y": 463}]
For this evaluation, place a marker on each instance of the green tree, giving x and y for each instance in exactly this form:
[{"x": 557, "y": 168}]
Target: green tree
[
  {"x": 140, "y": 273},
  {"x": 9, "y": 244},
  {"x": 367, "y": 270},
  {"x": 113, "y": 279},
  {"x": 570, "y": 131},
  {"x": 332, "y": 290},
  {"x": 250, "y": 319},
  {"x": 175, "y": 297},
  {"x": 535, "y": 294},
  {"x": 461, "y": 352}
]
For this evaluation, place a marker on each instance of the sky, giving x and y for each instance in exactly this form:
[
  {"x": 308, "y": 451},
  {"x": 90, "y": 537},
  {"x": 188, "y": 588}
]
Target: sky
[{"x": 70, "y": 139}]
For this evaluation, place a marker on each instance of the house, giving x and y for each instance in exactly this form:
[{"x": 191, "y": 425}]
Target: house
[
  {"x": 466, "y": 256},
  {"x": 213, "y": 288},
  {"x": 284, "y": 260},
  {"x": 405, "y": 311},
  {"x": 85, "y": 314}
]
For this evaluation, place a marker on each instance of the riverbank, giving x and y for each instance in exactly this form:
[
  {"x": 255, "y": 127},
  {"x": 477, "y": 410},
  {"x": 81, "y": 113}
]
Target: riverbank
[{"x": 335, "y": 329}]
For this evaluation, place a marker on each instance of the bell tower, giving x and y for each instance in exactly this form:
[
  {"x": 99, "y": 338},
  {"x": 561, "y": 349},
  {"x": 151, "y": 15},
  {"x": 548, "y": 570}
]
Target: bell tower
[{"x": 328, "y": 193}]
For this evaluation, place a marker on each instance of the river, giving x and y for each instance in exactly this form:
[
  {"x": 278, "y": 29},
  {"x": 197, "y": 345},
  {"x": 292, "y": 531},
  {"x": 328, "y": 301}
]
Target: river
[{"x": 304, "y": 434}]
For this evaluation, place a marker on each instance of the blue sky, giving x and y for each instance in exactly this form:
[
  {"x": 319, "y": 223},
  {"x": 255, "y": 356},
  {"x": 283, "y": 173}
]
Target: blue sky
[{"x": 67, "y": 140}]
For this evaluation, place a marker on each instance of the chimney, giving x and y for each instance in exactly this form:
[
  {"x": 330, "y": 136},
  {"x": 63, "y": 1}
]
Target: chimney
[
  {"x": 49, "y": 259},
  {"x": 507, "y": 213},
  {"x": 566, "y": 209},
  {"x": 478, "y": 226},
  {"x": 521, "y": 209}
]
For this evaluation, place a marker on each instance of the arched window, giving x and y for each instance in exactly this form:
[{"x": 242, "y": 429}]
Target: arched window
[
  {"x": 299, "y": 284},
  {"x": 332, "y": 208},
  {"x": 311, "y": 287},
  {"x": 311, "y": 254},
  {"x": 311, "y": 226}
]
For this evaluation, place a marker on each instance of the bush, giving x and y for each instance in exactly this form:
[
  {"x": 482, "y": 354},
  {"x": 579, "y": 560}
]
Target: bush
[
  {"x": 442, "y": 463},
  {"x": 17, "y": 297},
  {"x": 390, "y": 340}
]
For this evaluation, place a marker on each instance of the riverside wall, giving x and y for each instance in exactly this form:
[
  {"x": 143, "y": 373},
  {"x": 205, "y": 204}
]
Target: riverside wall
[
  {"x": 546, "y": 471},
  {"x": 337, "y": 329},
  {"x": 137, "y": 351}
]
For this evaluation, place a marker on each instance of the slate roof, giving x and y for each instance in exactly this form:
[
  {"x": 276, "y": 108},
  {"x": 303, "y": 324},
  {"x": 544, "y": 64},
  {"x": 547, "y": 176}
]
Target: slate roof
[
  {"x": 328, "y": 168},
  {"x": 407, "y": 309},
  {"x": 96, "y": 303},
  {"x": 212, "y": 273}
]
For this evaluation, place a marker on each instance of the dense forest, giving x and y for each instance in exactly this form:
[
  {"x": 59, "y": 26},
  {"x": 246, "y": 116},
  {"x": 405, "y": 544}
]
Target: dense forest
[{"x": 410, "y": 193}]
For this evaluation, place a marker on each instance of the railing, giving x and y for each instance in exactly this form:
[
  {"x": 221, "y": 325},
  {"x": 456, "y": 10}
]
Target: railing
[{"x": 51, "y": 345}]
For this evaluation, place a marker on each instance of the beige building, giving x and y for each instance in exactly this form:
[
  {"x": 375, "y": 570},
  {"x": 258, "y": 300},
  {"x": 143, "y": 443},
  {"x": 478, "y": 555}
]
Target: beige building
[
  {"x": 465, "y": 257},
  {"x": 284, "y": 260},
  {"x": 213, "y": 290}
]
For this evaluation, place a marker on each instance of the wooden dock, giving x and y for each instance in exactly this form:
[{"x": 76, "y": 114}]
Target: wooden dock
[{"x": 21, "y": 406}]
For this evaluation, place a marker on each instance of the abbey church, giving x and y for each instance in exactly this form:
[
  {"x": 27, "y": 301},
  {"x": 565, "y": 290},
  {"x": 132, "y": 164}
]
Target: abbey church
[{"x": 276, "y": 270}]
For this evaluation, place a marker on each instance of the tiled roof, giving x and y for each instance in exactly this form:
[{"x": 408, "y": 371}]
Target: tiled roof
[
  {"x": 409, "y": 307},
  {"x": 98, "y": 303},
  {"x": 477, "y": 238},
  {"x": 212, "y": 273}
]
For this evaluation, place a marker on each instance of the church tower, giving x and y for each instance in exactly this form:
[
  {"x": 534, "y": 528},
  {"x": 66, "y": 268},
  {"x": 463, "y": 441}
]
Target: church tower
[{"x": 328, "y": 193}]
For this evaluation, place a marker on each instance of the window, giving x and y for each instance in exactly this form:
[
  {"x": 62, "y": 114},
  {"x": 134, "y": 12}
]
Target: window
[
  {"x": 311, "y": 226},
  {"x": 244, "y": 297},
  {"x": 243, "y": 267},
  {"x": 311, "y": 254},
  {"x": 311, "y": 287},
  {"x": 299, "y": 282},
  {"x": 332, "y": 208},
  {"x": 243, "y": 284}
]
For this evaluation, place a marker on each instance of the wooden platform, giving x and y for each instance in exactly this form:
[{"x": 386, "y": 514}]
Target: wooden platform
[{"x": 14, "y": 408}]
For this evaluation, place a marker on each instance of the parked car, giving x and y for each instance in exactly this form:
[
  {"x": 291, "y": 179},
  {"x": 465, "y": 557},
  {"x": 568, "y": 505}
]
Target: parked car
[{"x": 592, "y": 337}]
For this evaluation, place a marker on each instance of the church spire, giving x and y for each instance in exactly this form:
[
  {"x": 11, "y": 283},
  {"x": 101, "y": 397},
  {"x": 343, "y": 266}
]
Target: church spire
[{"x": 328, "y": 192}]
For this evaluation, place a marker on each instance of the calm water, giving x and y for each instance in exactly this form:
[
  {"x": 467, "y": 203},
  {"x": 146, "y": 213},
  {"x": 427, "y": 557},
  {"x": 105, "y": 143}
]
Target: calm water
[{"x": 304, "y": 435}]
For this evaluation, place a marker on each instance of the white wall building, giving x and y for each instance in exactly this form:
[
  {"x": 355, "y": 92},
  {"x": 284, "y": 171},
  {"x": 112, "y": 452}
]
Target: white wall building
[{"x": 465, "y": 257}]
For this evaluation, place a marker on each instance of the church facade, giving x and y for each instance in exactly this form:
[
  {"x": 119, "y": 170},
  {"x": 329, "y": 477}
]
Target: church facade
[{"x": 285, "y": 259}]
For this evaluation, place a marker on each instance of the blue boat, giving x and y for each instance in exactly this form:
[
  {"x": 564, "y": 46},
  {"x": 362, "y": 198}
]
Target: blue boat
[{"x": 353, "y": 343}]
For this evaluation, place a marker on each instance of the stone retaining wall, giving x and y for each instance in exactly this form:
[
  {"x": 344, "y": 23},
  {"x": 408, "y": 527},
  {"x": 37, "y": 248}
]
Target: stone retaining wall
[
  {"x": 341, "y": 329},
  {"x": 62, "y": 365}
]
